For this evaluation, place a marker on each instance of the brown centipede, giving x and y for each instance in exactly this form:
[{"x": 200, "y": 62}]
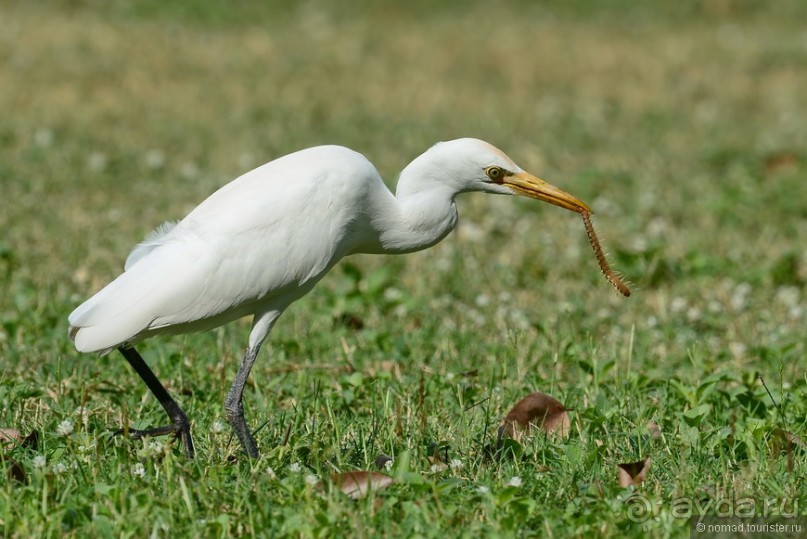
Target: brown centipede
[{"x": 612, "y": 277}]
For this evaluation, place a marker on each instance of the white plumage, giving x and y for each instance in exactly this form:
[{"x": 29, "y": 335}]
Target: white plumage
[{"x": 264, "y": 240}]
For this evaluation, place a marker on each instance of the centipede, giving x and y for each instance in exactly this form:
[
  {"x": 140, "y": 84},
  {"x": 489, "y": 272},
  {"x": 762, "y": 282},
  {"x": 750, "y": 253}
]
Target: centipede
[{"x": 609, "y": 274}]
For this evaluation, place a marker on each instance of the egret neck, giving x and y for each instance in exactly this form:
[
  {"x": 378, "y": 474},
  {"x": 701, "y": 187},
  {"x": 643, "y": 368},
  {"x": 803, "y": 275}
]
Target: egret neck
[{"x": 421, "y": 213}]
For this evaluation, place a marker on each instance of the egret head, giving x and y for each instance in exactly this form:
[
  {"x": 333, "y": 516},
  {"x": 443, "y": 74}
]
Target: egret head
[{"x": 475, "y": 165}]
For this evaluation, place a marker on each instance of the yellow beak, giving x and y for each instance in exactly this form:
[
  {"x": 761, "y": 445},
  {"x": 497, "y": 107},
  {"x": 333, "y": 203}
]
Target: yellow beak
[{"x": 529, "y": 186}]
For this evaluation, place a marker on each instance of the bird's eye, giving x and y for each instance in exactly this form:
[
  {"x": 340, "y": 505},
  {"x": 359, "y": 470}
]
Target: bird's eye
[{"x": 496, "y": 174}]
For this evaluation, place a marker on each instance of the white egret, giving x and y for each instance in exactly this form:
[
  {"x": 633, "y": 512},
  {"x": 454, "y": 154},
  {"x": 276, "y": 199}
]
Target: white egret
[{"x": 264, "y": 240}]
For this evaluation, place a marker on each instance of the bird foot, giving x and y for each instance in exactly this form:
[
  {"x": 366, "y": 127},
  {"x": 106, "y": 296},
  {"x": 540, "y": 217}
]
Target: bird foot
[{"x": 180, "y": 429}]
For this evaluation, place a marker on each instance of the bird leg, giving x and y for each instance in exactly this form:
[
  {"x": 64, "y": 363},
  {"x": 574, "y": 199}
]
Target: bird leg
[
  {"x": 180, "y": 425},
  {"x": 234, "y": 405}
]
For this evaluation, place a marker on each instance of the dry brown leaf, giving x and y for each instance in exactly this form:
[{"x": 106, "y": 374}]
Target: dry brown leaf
[
  {"x": 781, "y": 162},
  {"x": 350, "y": 321},
  {"x": 786, "y": 442},
  {"x": 15, "y": 471},
  {"x": 633, "y": 473},
  {"x": 786, "y": 439},
  {"x": 31, "y": 441},
  {"x": 358, "y": 484},
  {"x": 537, "y": 409},
  {"x": 9, "y": 436}
]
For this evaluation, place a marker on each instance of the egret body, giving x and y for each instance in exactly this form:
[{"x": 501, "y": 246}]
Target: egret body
[{"x": 264, "y": 240}]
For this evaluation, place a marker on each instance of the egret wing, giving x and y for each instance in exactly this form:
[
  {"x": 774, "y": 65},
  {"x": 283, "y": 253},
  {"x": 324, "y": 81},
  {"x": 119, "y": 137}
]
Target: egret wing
[{"x": 265, "y": 237}]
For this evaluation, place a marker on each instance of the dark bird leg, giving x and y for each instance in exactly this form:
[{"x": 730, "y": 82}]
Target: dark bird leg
[
  {"x": 180, "y": 426},
  {"x": 234, "y": 405}
]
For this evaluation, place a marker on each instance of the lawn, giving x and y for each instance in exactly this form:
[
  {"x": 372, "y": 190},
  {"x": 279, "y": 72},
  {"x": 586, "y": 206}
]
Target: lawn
[{"x": 683, "y": 125}]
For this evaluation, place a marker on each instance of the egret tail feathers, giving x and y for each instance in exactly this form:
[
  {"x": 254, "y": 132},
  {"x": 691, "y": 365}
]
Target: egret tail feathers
[
  {"x": 153, "y": 239},
  {"x": 130, "y": 304}
]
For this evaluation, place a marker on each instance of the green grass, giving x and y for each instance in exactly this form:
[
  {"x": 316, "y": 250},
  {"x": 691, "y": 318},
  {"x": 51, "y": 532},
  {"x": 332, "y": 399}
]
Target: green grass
[{"x": 682, "y": 124}]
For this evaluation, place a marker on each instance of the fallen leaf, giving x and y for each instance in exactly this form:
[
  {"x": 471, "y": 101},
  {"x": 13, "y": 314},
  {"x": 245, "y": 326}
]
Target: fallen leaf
[
  {"x": 537, "y": 409},
  {"x": 9, "y": 436},
  {"x": 787, "y": 442},
  {"x": 633, "y": 473},
  {"x": 787, "y": 439},
  {"x": 350, "y": 321},
  {"x": 15, "y": 471},
  {"x": 781, "y": 162},
  {"x": 31, "y": 441},
  {"x": 358, "y": 484}
]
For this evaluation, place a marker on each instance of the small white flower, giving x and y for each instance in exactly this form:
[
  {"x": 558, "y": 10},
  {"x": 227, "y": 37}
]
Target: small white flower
[
  {"x": 519, "y": 319},
  {"x": 475, "y": 317},
  {"x": 156, "y": 446},
  {"x": 155, "y": 159},
  {"x": 737, "y": 348},
  {"x": 139, "y": 470},
  {"x": 482, "y": 489},
  {"x": 96, "y": 161},
  {"x": 247, "y": 160},
  {"x": 473, "y": 232},
  {"x": 515, "y": 481},
  {"x": 59, "y": 468},
  {"x": 65, "y": 428},
  {"x": 39, "y": 462},
  {"x": 43, "y": 137},
  {"x": 295, "y": 467},
  {"x": 270, "y": 472},
  {"x": 392, "y": 294},
  {"x": 86, "y": 448},
  {"x": 455, "y": 464},
  {"x": 788, "y": 296},
  {"x": 189, "y": 170},
  {"x": 678, "y": 305},
  {"x": 218, "y": 427},
  {"x": 311, "y": 479},
  {"x": 739, "y": 297},
  {"x": 639, "y": 243},
  {"x": 388, "y": 465}
]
